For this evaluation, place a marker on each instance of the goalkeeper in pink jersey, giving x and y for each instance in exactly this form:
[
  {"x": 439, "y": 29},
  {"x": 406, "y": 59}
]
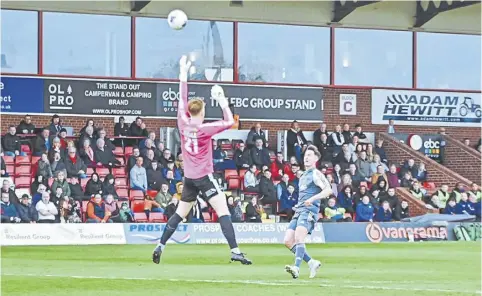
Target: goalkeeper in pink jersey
[{"x": 197, "y": 151}]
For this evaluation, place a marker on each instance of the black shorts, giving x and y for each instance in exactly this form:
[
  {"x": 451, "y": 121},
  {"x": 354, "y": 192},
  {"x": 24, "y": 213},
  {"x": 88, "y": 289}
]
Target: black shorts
[{"x": 206, "y": 187}]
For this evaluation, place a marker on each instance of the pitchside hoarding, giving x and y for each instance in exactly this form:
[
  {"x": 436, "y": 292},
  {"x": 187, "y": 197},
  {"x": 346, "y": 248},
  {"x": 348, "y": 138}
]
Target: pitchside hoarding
[
  {"x": 429, "y": 108},
  {"x": 136, "y": 98}
]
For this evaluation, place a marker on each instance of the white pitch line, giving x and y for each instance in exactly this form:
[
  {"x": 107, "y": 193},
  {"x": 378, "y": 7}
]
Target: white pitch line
[{"x": 259, "y": 283}]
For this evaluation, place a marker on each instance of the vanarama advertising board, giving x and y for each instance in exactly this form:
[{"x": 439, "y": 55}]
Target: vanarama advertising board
[{"x": 429, "y": 108}]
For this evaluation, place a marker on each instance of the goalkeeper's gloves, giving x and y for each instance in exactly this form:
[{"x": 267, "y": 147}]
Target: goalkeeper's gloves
[
  {"x": 184, "y": 66},
  {"x": 218, "y": 94}
]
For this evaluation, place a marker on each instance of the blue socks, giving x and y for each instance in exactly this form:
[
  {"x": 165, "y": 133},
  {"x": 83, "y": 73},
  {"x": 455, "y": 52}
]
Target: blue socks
[
  {"x": 306, "y": 257},
  {"x": 299, "y": 254}
]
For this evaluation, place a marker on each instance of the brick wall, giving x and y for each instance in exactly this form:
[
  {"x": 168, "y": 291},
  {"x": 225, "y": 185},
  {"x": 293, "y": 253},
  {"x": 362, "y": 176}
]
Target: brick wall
[
  {"x": 464, "y": 160},
  {"x": 437, "y": 173},
  {"x": 332, "y": 118}
]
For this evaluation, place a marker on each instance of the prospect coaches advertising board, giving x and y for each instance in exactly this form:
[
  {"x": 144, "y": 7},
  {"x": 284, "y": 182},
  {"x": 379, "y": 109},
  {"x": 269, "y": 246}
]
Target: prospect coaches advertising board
[
  {"x": 428, "y": 108},
  {"x": 137, "y": 98}
]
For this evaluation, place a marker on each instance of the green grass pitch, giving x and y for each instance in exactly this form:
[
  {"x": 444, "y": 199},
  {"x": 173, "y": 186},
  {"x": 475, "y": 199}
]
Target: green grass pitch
[{"x": 448, "y": 268}]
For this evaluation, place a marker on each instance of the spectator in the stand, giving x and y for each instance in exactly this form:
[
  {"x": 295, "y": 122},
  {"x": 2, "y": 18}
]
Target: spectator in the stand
[
  {"x": 392, "y": 177},
  {"x": 288, "y": 200},
  {"x": 352, "y": 146},
  {"x": 409, "y": 166},
  {"x": 58, "y": 165},
  {"x": 362, "y": 191},
  {"x": 158, "y": 153},
  {"x": 256, "y": 133},
  {"x": 346, "y": 133},
  {"x": 46, "y": 209},
  {"x": 55, "y": 125},
  {"x": 450, "y": 207},
  {"x": 370, "y": 152},
  {"x": 26, "y": 211},
  {"x": 242, "y": 157},
  {"x": 63, "y": 139},
  {"x": 104, "y": 157},
  {"x": 463, "y": 206},
  {"x": 433, "y": 203},
  {"x": 391, "y": 126},
  {"x": 472, "y": 201},
  {"x": 74, "y": 165},
  {"x": 135, "y": 129},
  {"x": 195, "y": 215},
  {"x": 363, "y": 166},
  {"x": 43, "y": 167},
  {"x": 345, "y": 199},
  {"x": 108, "y": 145},
  {"x": 87, "y": 155},
  {"x": 337, "y": 174},
  {"x": 282, "y": 185},
  {"x": 131, "y": 162},
  {"x": 39, "y": 179},
  {"x": 334, "y": 212},
  {"x": 337, "y": 139},
  {"x": 61, "y": 182},
  {"x": 145, "y": 132},
  {"x": 380, "y": 150},
  {"x": 250, "y": 180},
  {"x": 294, "y": 168},
  {"x": 416, "y": 192},
  {"x": 279, "y": 167},
  {"x": 443, "y": 193},
  {"x": 112, "y": 208},
  {"x": 88, "y": 122},
  {"x": 326, "y": 149},
  {"x": 138, "y": 176},
  {"x": 381, "y": 184},
  {"x": 467, "y": 142},
  {"x": 404, "y": 210},
  {"x": 219, "y": 155},
  {"x": 375, "y": 166},
  {"x": 154, "y": 176},
  {"x": 37, "y": 196},
  {"x": 176, "y": 174},
  {"x": 3, "y": 167},
  {"x": 375, "y": 200},
  {"x": 422, "y": 174},
  {"x": 254, "y": 211},
  {"x": 334, "y": 186},
  {"x": 172, "y": 183},
  {"x": 364, "y": 210},
  {"x": 355, "y": 175},
  {"x": 154, "y": 141},
  {"x": 267, "y": 189},
  {"x": 345, "y": 158},
  {"x": 457, "y": 191},
  {"x": 9, "y": 211},
  {"x": 76, "y": 190},
  {"x": 475, "y": 191},
  {"x": 406, "y": 181},
  {"x": 11, "y": 143},
  {"x": 163, "y": 197},
  {"x": 26, "y": 126},
  {"x": 108, "y": 186},
  {"x": 166, "y": 157},
  {"x": 177, "y": 192},
  {"x": 96, "y": 211},
  {"x": 235, "y": 209},
  {"x": 479, "y": 145},
  {"x": 260, "y": 155},
  {"x": 360, "y": 134},
  {"x": 56, "y": 148},
  {"x": 179, "y": 163},
  {"x": 88, "y": 135},
  {"x": 94, "y": 185},
  {"x": 120, "y": 128},
  {"x": 11, "y": 193},
  {"x": 148, "y": 146},
  {"x": 384, "y": 213},
  {"x": 394, "y": 202},
  {"x": 317, "y": 135},
  {"x": 296, "y": 142}
]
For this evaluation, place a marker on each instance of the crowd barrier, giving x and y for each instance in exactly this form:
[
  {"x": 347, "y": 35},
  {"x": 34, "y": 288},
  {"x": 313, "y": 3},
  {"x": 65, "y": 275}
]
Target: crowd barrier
[{"x": 210, "y": 233}]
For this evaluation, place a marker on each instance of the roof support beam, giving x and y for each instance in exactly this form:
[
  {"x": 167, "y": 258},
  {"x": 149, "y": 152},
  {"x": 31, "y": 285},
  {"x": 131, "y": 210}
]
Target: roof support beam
[
  {"x": 427, "y": 9},
  {"x": 137, "y": 6},
  {"x": 344, "y": 8}
]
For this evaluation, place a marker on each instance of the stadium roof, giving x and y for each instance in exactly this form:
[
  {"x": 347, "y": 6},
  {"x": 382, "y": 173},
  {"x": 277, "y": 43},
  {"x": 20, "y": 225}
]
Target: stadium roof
[{"x": 424, "y": 15}]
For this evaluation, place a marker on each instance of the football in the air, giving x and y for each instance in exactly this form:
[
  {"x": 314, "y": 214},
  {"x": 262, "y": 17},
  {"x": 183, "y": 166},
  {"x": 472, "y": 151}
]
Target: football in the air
[{"x": 177, "y": 19}]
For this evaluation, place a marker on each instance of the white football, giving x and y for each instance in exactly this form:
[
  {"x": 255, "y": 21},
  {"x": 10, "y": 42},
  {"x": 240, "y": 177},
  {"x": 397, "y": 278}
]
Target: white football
[{"x": 177, "y": 19}]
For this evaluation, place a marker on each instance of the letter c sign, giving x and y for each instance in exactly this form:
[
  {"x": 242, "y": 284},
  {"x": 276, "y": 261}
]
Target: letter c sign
[{"x": 347, "y": 104}]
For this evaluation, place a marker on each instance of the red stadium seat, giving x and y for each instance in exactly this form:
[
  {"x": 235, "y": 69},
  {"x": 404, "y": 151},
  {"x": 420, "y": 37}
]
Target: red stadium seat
[
  {"x": 137, "y": 206},
  {"x": 83, "y": 182},
  {"x": 9, "y": 159},
  {"x": 51, "y": 181},
  {"x": 226, "y": 146},
  {"x": 136, "y": 195},
  {"x": 207, "y": 217},
  {"x": 152, "y": 193},
  {"x": 232, "y": 178},
  {"x": 121, "y": 160},
  {"x": 140, "y": 217},
  {"x": 22, "y": 160},
  {"x": 35, "y": 159},
  {"x": 128, "y": 151},
  {"x": 84, "y": 205},
  {"x": 102, "y": 172},
  {"x": 23, "y": 182},
  {"x": 118, "y": 151},
  {"x": 157, "y": 217},
  {"x": 120, "y": 183},
  {"x": 10, "y": 170},
  {"x": 242, "y": 172},
  {"x": 119, "y": 172},
  {"x": 89, "y": 172},
  {"x": 122, "y": 192},
  {"x": 23, "y": 170},
  {"x": 25, "y": 148}
]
